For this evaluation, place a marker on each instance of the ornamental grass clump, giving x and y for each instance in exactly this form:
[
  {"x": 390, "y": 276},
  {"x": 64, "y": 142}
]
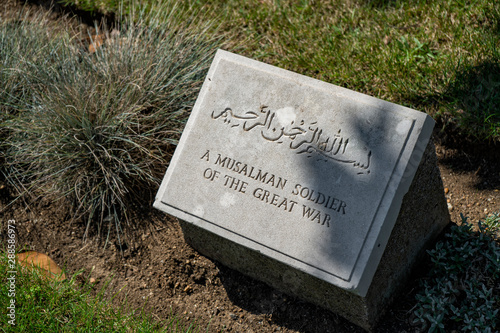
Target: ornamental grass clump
[
  {"x": 462, "y": 290},
  {"x": 103, "y": 121}
]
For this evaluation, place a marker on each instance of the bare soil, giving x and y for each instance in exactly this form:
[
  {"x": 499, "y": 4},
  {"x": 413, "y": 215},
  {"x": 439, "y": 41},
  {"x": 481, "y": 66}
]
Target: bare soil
[{"x": 157, "y": 270}]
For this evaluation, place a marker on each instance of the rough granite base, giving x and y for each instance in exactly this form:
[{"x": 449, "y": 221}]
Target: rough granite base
[{"x": 423, "y": 215}]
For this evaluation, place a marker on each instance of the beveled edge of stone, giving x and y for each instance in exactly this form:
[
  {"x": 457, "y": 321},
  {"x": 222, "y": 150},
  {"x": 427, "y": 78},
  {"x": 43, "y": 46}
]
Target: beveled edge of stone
[{"x": 404, "y": 184}]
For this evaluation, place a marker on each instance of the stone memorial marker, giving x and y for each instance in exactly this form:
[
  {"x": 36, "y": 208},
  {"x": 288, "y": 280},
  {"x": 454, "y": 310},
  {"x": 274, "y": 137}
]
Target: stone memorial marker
[{"x": 327, "y": 194}]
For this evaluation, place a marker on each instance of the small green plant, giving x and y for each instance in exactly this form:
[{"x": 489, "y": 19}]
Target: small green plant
[
  {"x": 462, "y": 290},
  {"x": 492, "y": 224},
  {"x": 414, "y": 52},
  {"x": 100, "y": 127}
]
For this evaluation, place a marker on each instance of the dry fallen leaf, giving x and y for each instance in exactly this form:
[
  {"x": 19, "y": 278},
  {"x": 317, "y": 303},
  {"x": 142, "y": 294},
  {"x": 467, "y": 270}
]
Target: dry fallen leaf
[
  {"x": 48, "y": 267},
  {"x": 95, "y": 42}
]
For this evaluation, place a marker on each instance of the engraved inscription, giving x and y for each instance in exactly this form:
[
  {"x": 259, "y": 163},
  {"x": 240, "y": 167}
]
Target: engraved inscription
[
  {"x": 272, "y": 189},
  {"x": 250, "y": 172},
  {"x": 306, "y": 138},
  {"x": 319, "y": 198},
  {"x": 274, "y": 199}
]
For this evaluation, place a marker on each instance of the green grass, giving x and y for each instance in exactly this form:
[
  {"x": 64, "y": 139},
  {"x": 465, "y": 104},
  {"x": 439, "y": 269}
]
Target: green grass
[
  {"x": 440, "y": 57},
  {"x": 408, "y": 52},
  {"x": 45, "y": 305}
]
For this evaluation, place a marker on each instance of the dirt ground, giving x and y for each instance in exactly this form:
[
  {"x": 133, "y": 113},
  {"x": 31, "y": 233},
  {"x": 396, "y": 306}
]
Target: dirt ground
[{"x": 159, "y": 271}]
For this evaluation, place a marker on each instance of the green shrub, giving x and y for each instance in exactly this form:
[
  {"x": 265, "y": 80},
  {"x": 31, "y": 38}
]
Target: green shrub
[
  {"x": 100, "y": 127},
  {"x": 462, "y": 290}
]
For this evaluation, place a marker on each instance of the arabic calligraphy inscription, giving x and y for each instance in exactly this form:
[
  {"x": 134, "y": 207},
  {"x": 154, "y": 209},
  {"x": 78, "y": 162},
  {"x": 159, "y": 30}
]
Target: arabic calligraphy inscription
[{"x": 282, "y": 126}]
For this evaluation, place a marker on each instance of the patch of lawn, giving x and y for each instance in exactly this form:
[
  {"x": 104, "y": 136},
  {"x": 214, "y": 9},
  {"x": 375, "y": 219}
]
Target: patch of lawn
[
  {"x": 36, "y": 303},
  {"x": 415, "y": 53}
]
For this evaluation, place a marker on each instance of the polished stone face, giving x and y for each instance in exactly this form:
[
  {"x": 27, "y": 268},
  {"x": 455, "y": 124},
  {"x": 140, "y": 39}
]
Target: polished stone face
[{"x": 302, "y": 171}]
